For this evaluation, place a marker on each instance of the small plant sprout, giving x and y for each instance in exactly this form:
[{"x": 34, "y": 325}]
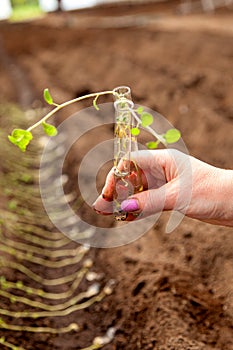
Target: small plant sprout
[
  {"x": 33, "y": 252},
  {"x": 128, "y": 176},
  {"x": 22, "y": 138},
  {"x": 128, "y": 122},
  {"x": 106, "y": 339}
]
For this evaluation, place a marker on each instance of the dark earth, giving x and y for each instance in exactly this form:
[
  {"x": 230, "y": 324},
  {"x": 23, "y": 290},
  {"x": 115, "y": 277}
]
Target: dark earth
[{"x": 172, "y": 291}]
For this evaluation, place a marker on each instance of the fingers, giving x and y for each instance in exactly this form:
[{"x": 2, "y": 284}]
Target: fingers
[
  {"x": 148, "y": 159},
  {"x": 151, "y": 202},
  {"x": 141, "y": 204},
  {"x": 152, "y": 165},
  {"x": 110, "y": 183},
  {"x": 159, "y": 164},
  {"x": 102, "y": 206},
  {"x": 108, "y": 189},
  {"x": 156, "y": 169}
]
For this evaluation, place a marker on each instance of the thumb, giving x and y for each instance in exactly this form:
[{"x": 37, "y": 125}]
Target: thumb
[{"x": 151, "y": 201}]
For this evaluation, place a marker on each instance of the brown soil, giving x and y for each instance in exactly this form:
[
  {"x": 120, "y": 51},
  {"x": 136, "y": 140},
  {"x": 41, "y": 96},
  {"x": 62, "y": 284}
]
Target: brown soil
[{"x": 172, "y": 291}]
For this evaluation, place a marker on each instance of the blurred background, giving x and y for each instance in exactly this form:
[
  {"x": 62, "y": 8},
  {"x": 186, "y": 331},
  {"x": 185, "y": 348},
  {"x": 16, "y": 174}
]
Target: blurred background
[{"x": 171, "y": 291}]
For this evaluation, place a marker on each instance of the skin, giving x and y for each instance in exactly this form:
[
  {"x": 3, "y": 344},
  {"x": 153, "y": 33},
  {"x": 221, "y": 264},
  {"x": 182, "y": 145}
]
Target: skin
[{"x": 173, "y": 180}]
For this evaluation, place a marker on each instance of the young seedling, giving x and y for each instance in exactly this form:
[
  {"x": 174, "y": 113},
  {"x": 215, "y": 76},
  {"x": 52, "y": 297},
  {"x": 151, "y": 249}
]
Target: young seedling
[
  {"x": 128, "y": 122},
  {"x": 127, "y": 175},
  {"x": 22, "y": 137},
  {"x": 30, "y": 241}
]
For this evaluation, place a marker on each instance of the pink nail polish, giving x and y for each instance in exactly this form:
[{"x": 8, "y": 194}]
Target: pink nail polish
[{"x": 130, "y": 205}]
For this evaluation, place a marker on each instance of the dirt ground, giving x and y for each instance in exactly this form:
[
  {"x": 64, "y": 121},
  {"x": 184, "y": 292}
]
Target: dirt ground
[{"x": 172, "y": 291}]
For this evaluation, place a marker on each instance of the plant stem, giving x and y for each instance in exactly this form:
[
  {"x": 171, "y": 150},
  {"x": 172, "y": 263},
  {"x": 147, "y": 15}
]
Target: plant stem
[
  {"x": 42, "y": 293},
  {"x": 44, "y": 306},
  {"x": 9, "y": 345},
  {"x": 54, "y": 313},
  {"x": 36, "y": 277},
  {"x": 41, "y": 261},
  {"x": 43, "y": 251},
  {"x": 58, "y": 107},
  {"x": 69, "y": 328},
  {"x": 154, "y": 133}
]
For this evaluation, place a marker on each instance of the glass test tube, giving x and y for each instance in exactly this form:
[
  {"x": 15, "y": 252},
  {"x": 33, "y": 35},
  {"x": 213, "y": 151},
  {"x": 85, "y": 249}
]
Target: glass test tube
[{"x": 127, "y": 175}]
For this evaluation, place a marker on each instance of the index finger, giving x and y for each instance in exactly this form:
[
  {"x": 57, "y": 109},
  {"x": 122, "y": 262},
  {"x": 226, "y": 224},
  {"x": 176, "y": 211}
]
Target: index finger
[
  {"x": 108, "y": 189},
  {"x": 136, "y": 177}
]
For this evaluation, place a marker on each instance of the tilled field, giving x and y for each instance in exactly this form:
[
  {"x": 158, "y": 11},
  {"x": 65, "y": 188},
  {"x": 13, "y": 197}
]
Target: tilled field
[{"x": 171, "y": 291}]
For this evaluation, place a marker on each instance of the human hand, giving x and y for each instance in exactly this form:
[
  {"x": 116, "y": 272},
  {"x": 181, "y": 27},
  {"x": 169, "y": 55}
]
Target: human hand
[{"x": 176, "y": 181}]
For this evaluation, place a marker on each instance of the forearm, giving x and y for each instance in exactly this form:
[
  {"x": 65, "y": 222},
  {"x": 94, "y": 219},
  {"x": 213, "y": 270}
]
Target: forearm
[
  {"x": 225, "y": 204},
  {"x": 212, "y": 199}
]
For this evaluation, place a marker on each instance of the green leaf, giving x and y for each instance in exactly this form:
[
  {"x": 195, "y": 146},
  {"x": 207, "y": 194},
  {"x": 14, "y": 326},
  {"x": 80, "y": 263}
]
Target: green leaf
[
  {"x": 135, "y": 131},
  {"x": 26, "y": 178},
  {"x": 152, "y": 144},
  {"x": 2, "y": 279},
  {"x": 140, "y": 110},
  {"x": 48, "y": 98},
  {"x": 12, "y": 299},
  {"x": 12, "y": 204},
  {"x": 172, "y": 135},
  {"x": 20, "y": 138},
  {"x": 19, "y": 284},
  {"x": 49, "y": 129},
  {"x": 147, "y": 119},
  {"x": 95, "y": 103}
]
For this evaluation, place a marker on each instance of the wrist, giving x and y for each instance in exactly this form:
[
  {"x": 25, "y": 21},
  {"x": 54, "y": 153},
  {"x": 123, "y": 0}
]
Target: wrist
[
  {"x": 225, "y": 204},
  {"x": 212, "y": 194}
]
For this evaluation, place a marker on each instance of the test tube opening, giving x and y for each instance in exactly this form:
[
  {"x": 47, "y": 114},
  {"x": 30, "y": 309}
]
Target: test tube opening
[{"x": 122, "y": 92}]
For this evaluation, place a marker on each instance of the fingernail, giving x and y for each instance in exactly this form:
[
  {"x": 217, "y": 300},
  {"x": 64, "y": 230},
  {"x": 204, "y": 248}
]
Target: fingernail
[{"x": 130, "y": 205}]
